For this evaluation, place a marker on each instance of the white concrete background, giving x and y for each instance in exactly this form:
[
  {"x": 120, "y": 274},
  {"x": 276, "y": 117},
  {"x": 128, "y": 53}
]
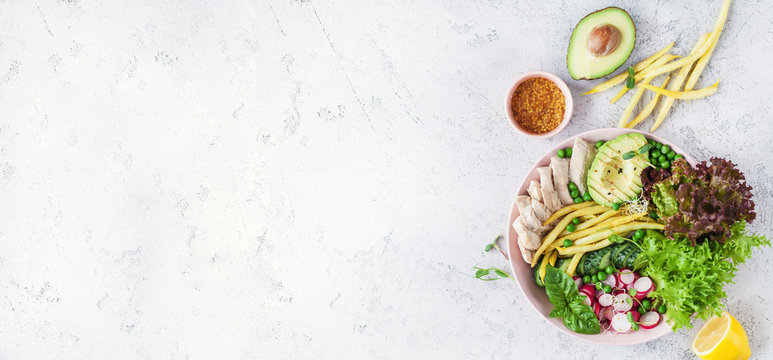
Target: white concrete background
[{"x": 314, "y": 179}]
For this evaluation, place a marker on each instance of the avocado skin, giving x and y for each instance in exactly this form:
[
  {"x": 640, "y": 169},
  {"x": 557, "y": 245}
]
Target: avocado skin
[{"x": 625, "y": 31}]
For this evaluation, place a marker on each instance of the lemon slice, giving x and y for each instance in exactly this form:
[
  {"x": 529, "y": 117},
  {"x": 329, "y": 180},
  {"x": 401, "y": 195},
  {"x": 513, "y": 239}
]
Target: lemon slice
[{"x": 721, "y": 337}]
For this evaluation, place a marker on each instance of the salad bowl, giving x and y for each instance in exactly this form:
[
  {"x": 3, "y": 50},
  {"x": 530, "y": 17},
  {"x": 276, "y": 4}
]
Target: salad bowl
[{"x": 523, "y": 272}]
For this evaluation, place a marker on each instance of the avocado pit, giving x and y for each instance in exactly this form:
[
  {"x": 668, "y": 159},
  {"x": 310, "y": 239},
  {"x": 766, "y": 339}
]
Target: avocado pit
[{"x": 603, "y": 40}]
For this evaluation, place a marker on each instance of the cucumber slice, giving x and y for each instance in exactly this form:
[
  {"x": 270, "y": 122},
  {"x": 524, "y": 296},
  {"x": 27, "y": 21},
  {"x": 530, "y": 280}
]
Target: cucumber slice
[
  {"x": 581, "y": 266},
  {"x": 562, "y": 264},
  {"x": 536, "y": 273},
  {"x": 605, "y": 260},
  {"x": 619, "y": 260},
  {"x": 632, "y": 258}
]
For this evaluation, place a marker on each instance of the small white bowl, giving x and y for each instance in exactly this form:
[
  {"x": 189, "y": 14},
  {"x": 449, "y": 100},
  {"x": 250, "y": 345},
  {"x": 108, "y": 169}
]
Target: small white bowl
[{"x": 568, "y": 102}]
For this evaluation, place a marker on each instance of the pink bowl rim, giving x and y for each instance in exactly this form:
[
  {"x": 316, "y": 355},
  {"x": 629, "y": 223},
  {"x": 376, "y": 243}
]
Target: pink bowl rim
[
  {"x": 568, "y": 109},
  {"x": 515, "y": 254}
]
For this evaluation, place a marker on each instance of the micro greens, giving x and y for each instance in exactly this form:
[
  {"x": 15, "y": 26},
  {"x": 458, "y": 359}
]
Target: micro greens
[
  {"x": 645, "y": 148},
  {"x": 500, "y": 274},
  {"x": 631, "y": 81},
  {"x": 629, "y": 155}
]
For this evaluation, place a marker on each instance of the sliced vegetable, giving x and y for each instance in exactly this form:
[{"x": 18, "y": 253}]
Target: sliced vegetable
[
  {"x": 683, "y": 95},
  {"x": 649, "y": 320},
  {"x": 620, "y": 323}
]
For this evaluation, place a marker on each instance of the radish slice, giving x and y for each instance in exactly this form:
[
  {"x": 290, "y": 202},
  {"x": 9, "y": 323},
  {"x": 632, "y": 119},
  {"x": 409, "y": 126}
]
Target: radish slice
[
  {"x": 620, "y": 323},
  {"x": 607, "y": 313},
  {"x": 649, "y": 320},
  {"x": 627, "y": 276},
  {"x": 641, "y": 295},
  {"x": 610, "y": 280},
  {"x": 588, "y": 289},
  {"x": 599, "y": 293},
  {"x": 588, "y": 301},
  {"x": 606, "y": 300},
  {"x": 622, "y": 302},
  {"x": 578, "y": 281},
  {"x": 619, "y": 291},
  {"x": 643, "y": 285},
  {"x": 596, "y": 308}
]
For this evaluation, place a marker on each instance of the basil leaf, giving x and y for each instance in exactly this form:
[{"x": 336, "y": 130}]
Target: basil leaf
[
  {"x": 629, "y": 155},
  {"x": 568, "y": 303}
]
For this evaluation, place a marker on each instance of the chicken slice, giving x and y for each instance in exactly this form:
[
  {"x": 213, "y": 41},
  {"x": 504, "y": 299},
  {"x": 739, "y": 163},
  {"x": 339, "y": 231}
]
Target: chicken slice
[
  {"x": 549, "y": 196},
  {"x": 529, "y": 218},
  {"x": 527, "y": 238},
  {"x": 526, "y": 253},
  {"x": 583, "y": 154},
  {"x": 542, "y": 211},
  {"x": 560, "y": 168},
  {"x": 534, "y": 190}
]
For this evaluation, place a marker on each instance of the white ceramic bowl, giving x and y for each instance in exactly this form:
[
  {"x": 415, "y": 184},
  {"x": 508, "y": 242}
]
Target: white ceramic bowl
[{"x": 523, "y": 271}]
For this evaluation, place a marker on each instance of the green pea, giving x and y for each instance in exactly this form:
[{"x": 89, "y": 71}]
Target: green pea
[
  {"x": 616, "y": 206},
  {"x": 586, "y": 279},
  {"x": 654, "y": 215},
  {"x": 671, "y": 155},
  {"x": 662, "y": 158},
  {"x": 641, "y": 310},
  {"x": 658, "y": 145},
  {"x": 665, "y": 164},
  {"x": 577, "y": 200},
  {"x": 665, "y": 149},
  {"x": 570, "y": 227},
  {"x": 602, "y": 275},
  {"x": 599, "y": 144},
  {"x": 651, "y": 142},
  {"x": 609, "y": 269},
  {"x": 607, "y": 289},
  {"x": 561, "y": 153},
  {"x": 574, "y": 193},
  {"x": 587, "y": 196},
  {"x": 568, "y": 152},
  {"x": 662, "y": 308},
  {"x": 646, "y": 304},
  {"x": 567, "y": 243},
  {"x": 678, "y": 156},
  {"x": 639, "y": 234},
  {"x": 576, "y": 221},
  {"x": 572, "y": 186},
  {"x": 655, "y": 153}
]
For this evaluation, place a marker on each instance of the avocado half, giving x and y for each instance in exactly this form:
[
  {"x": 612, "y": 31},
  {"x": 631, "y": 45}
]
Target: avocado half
[{"x": 600, "y": 43}]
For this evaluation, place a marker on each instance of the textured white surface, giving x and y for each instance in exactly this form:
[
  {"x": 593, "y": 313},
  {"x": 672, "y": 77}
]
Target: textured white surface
[{"x": 277, "y": 179}]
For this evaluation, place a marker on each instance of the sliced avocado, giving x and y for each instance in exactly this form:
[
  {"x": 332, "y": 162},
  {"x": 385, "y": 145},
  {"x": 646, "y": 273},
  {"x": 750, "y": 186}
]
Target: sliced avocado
[
  {"x": 612, "y": 178},
  {"x": 600, "y": 43}
]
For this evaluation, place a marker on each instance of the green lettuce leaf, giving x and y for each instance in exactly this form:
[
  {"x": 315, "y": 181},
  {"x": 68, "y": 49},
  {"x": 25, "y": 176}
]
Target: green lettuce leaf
[
  {"x": 567, "y": 303},
  {"x": 663, "y": 196},
  {"x": 690, "y": 279}
]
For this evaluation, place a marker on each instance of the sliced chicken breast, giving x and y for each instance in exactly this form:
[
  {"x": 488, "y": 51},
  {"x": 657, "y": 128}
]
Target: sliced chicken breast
[
  {"x": 526, "y": 237},
  {"x": 560, "y": 169},
  {"x": 542, "y": 211},
  {"x": 549, "y": 196},
  {"x": 528, "y": 217},
  {"x": 583, "y": 154},
  {"x": 526, "y": 253},
  {"x": 534, "y": 190}
]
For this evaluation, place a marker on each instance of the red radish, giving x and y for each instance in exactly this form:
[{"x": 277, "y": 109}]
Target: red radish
[
  {"x": 578, "y": 281},
  {"x": 643, "y": 285},
  {"x": 620, "y": 323},
  {"x": 610, "y": 280},
  {"x": 588, "y": 301},
  {"x": 596, "y": 308},
  {"x": 607, "y": 313},
  {"x": 598, "y": 293},
  {"x": 616, "y": 292},
  {"x": 588, "y": 289},
  {"x": 606, "y": 300},
  {"x": 649, "y": 320},
  {"x": 627, "y": 276},
  {"x": 622, "y": 302},
  {"x": 641, "y": 295}
]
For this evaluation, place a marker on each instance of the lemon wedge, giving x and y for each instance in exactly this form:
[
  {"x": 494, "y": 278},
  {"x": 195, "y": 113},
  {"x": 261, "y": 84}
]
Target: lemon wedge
[{"x": 722, "y": 337}]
